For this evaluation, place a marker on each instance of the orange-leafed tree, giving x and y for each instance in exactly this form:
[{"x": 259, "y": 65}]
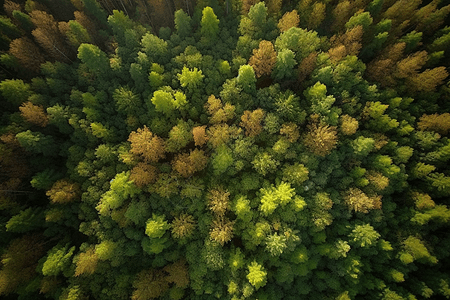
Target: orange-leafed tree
[
  {"x": 439, "y": 123},
  {"x": 187, "y": 164},
  {"x": 200, "y": 137},
  {"x": 219, "y": 201},
  {"x": 306, "y": 66},
  {"x": 27, "y": 53},
  {"x": 320, "y": 139},
  {"x": 263, "y": 59},
  {"x": 218, "y": 111},
  {"x": 147, "y": 145}
]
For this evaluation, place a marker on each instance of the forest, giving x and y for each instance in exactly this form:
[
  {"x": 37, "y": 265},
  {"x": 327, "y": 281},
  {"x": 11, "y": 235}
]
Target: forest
[{"x": 225, "y": 149}]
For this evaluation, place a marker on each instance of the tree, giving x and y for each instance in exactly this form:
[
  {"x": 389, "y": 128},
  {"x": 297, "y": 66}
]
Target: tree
[
  {"x": 263, "y": 59},
  {"x": 200, "y": 137},
  {"x": 289, "y": 19},
  {"x": 219, "y": 113},
  {"x": 264, "y": 163},
  {"x": 147, "y": 145},
  {"x": 209, "y": 24},
  {"x": 341, "y": 14},
  {"x": 221, "y": 230},
  {"x": 439, "y": 123},
  {"x": 251, "y": 121},
  {"x": 190, "y": 79},
  {"x": 95, "y": 59},
  {"x": 306, "y": 66},
  {"x": 34, "y": 114},
  {"x": 257, "y": 276},
  {"x": 149, "y": 284},
  {"x": 428, "y": 80},
  {"x": 364, "y": 236},
  {"x": 284, "y": 66},
  {"x": 58, "y": 260},
  {"x": 64, "y": 191},
  {"x": 349, "y": 125},
  {"x": 320, "y": 139},
  {"x": 358, "y": 201},
  {"x": 179, "y": 137},
  {"x": 37, "y": 142},
  {"x": 298, "y": 40},
  {"x": 183, "y": 226},
  {"x": 317, "y": 15},
  {"x": 15, "y": 91},
  {"x": 143, "y": 174},
  {"x": 188, "y": 164},
  {"x": 246, "y": 79},
  {"x": 182, "y": 24},
  {"x": 295, "y": 174}
]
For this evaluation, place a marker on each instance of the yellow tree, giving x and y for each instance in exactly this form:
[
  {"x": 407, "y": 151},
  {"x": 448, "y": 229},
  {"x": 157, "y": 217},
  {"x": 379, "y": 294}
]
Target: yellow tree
[
  {"x": 251, "y": 121},
  {"x": 86, "y": 262},
  {"x": 183, "y": 226},
  {"x": 34, "y": 114},
  {"x": 221, "y": 230},
  {"x": 219, "y": 113},
  {"x": 428, "y": 80},
  {"x": 439, "y": 123},
  {"x": 289, "y": 20},
  {"x": 410, "y": 65},
  {"x": 64, "y": 191},
  {"x": 306, "y": 67},
  {"x": 27, "y": 53},
  {"x": 200, "y": 137},
  {"x": 143, "y": 174},
  {"x": 341, "y": 14},
  {"x": 146, "y": 145},
  {"x": 219, "y": 201},
  {"x": 263, "y": 59},
  {"x": 187, "y": 164},
  {"x": 320, "y": 139}
]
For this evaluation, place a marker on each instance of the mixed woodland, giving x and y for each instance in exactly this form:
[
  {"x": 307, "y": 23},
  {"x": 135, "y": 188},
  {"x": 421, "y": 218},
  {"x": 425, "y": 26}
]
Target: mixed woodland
[{"x": 225, "y": 149}]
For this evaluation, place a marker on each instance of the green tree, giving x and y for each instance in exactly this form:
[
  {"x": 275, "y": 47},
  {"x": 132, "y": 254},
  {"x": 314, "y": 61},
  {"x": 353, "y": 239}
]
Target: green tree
[
  {"x": 257, "y": 276},
  {"x": 209, "y": 25},
  {"x": 364, "y": 236},
  {"x": 183, "y": 23},
  {"x": 190, "y": 79},
  {"x": 95, "y": 59}
]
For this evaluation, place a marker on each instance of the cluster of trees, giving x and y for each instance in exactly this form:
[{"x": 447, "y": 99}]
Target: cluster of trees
[{"x": 231, "y": 149}]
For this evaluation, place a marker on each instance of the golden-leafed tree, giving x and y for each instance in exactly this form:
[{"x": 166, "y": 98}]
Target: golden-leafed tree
[
  {"x": 218, "y": 201},
  {"x": 290, "y": 130},
  {"x": 439, "y": 123},
  {"x": 349, "y": 125},
  {"x": 221, "y": 230},
  {"x": 381, "y": 68},
  {"x": 88, "y": 24},
  {"x": 177, "y": 273},
  {"x": 320, "y": 139},
  {"x": 219, "y": 113},
  {"x": 47, "y": 34},
  {"x": 317, "y": 15},
  {"x": 143, "y": 174},
  {"x": 341, "y": 14},
  {"x": 86, "y": 262},
  {"x": 289, "y": 20},
  {"x": 183, "y": 226},
  {"x": 147, "y": 145},
  {"x": 307, "y": 65},
  {"x": 356, "y": 200},
  {"x": 187, "y": 164},
  {"x": 27, "y": 53},
  {"x": 10, "y": 6},
  {"x": 251, "y": 121},
  {"x": 246, "y": 4},
  {"x": 351, "y": 40},
  {"x": 149, "y": 284},
  {"x": 422, "y": 201},
  {"x": 377, "y": 180},
  {"x": 221, "y": 134},
  {"x": 34, "y": 114},
  {"x": 19, "y": 261},
  {"x": 200, "y": 137},
  {"x": 263, "y": 59},
  {"x": 64, "y": 191},
  {"x": 428, "y": 80},
  {"x": 410, "y": 66}
]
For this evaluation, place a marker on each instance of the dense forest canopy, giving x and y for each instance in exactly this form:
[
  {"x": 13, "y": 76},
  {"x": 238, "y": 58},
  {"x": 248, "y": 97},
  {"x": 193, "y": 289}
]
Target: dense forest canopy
[{"x": 225, "y": 149}]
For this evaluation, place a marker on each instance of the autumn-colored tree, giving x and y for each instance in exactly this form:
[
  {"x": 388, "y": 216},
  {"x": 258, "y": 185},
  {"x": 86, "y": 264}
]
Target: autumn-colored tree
[
  {"x": 177, "y": 273},
  {"x": 351, "y": 40},
  {"x": 143, "y": 174},
  {"x": 146, "y": 145},
  {"x": 349, "y": 125},
  {"x": 307, "y": 65},
  {"x": 47, "y": 34},
  {"x": 187, "y": 164},
  {"x": 428, "y": 80},
  {"x": 317, "y": 15},
  {"x": 289, "y": 19},
  {"x": 290, "y": 130},
  {"x": 321, "y": 139},
  {"x": 247, "y": 4},
  {"x": 27, "y": 53},
  {"x": 263, "y": 59},
  {"x": 200, "y": 137},
  {"x": 64, "y": 191},
  {"x": 219, "y": 113},
  {"x": 341, "y": 14},
  {"x": 409, "y": 66},
  {"x": 19, "y": 262},
  {"x": 358, "y": 201},
  {"x": 34, "y": 114},
  {"x": 377, "y": 180},
  {"x": 221, "y": 134},
  {"x": 86, "y": 262},
  {"x": 219, "y": 201},
  {"x": 221, "y": 230},
  {"x": 149, "y": 284},
  {"x": 251, "y": 121},
  {"x": 10, "y": 6},
  {"x": 183, "y": 226},
  {"x": 439, "y": 123},
  {"x": 380, "y": 69}
]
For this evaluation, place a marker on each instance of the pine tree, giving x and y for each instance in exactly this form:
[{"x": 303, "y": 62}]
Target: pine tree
[
  {"x": 64, "y": 191},
  {"x": 439, "y": 123},
  {"x": 27, "y": 53},
  {"x": 209, "y": 24},
  {"x": 428, "y": 80}
]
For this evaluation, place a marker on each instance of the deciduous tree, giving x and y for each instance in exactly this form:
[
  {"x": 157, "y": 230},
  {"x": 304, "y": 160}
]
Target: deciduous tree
[
  {"x": 263, "y": 59},
  {"x": 147, "y": 145},
  {"x": 34, "y": 114}
]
